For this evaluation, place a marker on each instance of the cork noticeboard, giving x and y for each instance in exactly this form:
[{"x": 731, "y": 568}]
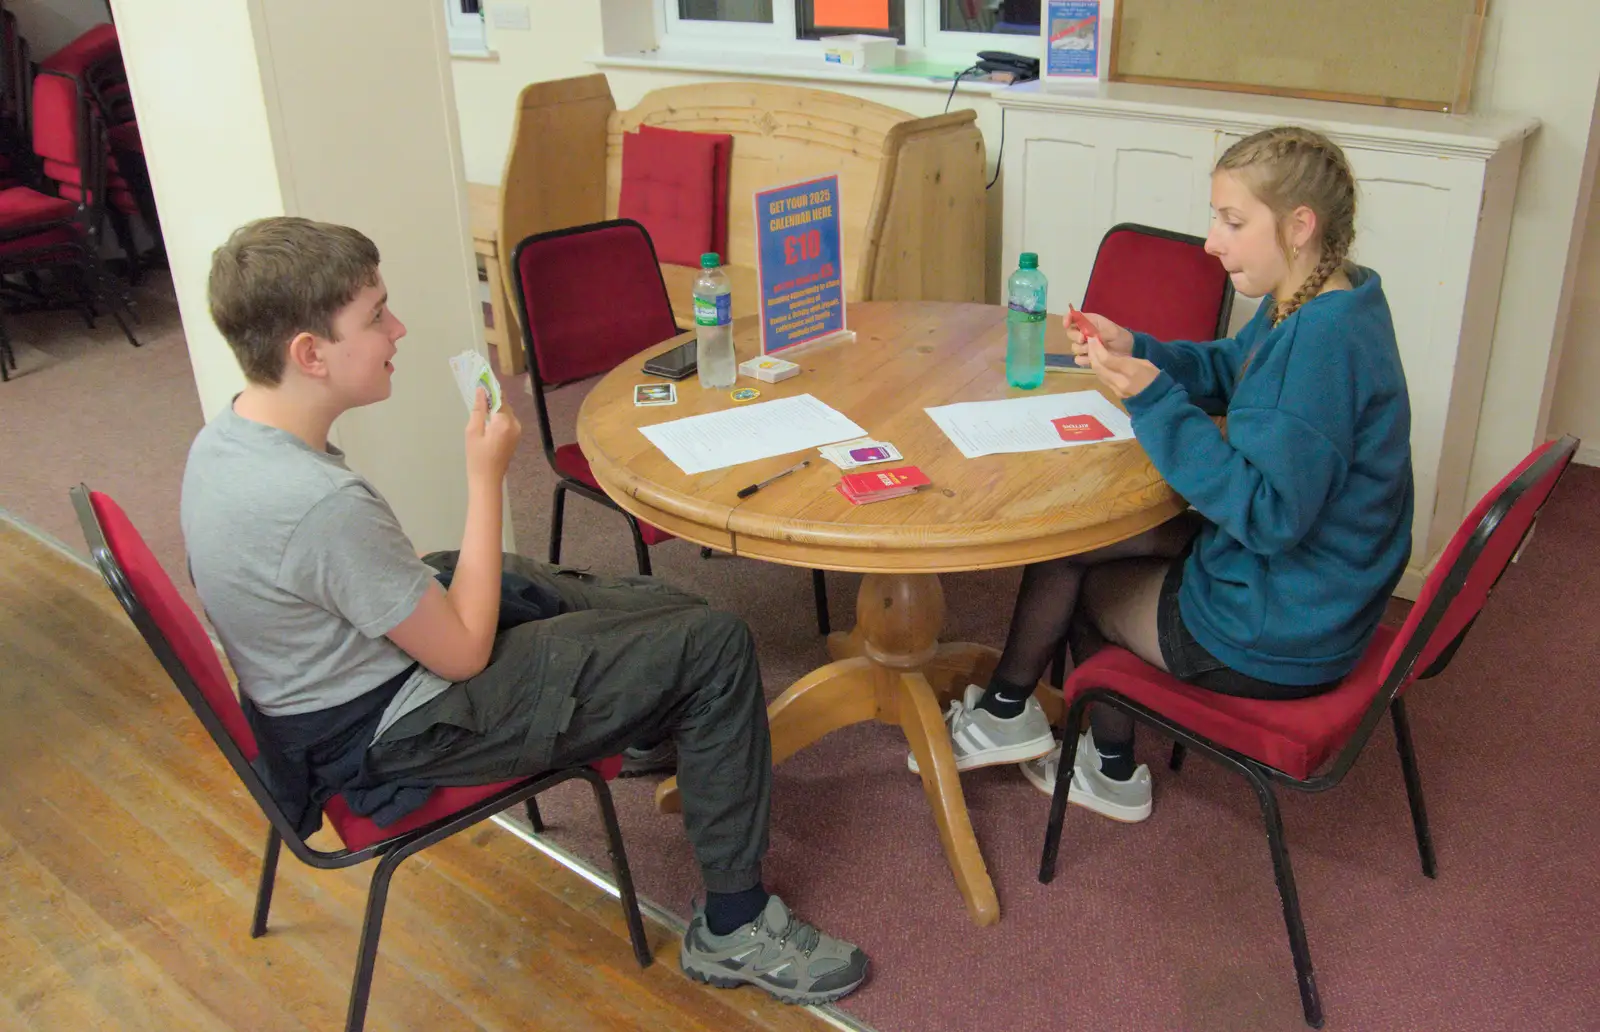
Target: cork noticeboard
[{"x": 1401, "y": 53}]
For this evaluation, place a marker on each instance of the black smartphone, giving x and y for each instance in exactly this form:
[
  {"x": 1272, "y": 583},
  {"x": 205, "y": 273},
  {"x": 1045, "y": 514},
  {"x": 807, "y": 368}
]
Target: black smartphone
[
  {"x": 675, "y": 364},
  {"x": 1054, "y": 362}
]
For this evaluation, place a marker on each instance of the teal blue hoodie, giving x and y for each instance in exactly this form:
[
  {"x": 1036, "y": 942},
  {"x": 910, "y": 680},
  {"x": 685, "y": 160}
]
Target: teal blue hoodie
[{"x": 1308, "y": 496}]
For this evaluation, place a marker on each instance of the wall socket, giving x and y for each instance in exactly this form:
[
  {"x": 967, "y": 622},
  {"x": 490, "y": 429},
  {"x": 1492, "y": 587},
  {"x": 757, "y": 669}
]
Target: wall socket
[{"x": 510, "y": 16}]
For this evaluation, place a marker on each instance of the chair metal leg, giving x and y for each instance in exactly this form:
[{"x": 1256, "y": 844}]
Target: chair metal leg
[
  {"x": 1408, "y": 766},
  {"x": 269, "y": 871},
  {"x": 558, "y": 508},
  {"x": 819, "y": 590},
  {"x": 1179, "y": 751},
  {"x": 705, "y": 553},
  {"x": 619, "y": 869},
  {"x": 1058, "y": 801},
  {"x": 371, "y": 928},
  {"x": 535, "y": 819},
  {"x": 641, "y": 551},
  {"x": 1310, "y": 1001}
]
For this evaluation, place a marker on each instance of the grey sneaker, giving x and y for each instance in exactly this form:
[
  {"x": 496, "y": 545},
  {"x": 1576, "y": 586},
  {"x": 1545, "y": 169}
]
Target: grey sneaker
[
  {"x": 777, "y": 952},
  {"x": 1126, "y": 801},
  {"x": 981, "y": 739},
  {"x": 661, "y": 758}
]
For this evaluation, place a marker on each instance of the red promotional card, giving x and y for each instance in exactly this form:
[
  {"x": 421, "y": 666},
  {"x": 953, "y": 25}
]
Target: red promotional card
[
  {"x": 1080, "y": 428},
  {"x": 898, "y": 479}
]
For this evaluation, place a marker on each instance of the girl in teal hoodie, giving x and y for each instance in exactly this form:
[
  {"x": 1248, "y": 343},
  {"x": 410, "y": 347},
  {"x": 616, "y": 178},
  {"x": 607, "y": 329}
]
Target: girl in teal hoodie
[{"x": 1272, "y": 587}]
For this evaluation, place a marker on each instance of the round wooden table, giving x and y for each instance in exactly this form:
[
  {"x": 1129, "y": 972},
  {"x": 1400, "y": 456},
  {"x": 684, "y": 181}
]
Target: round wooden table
[{"x": 994, "y": 511}]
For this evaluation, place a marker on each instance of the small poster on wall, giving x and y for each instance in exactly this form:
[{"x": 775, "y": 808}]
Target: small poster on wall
[
  {"x": 1073, "y": 40},
  {"x": 800, "y": 263}
]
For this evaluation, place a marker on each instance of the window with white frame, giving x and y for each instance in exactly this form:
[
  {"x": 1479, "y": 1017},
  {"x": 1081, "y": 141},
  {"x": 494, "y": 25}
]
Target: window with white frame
[
  {"x": 952, "y": 30},
  {"x": 464, "y": 22}
]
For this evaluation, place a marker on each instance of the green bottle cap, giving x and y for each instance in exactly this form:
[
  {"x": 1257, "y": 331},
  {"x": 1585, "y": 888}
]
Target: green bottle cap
[
  {"x": 1028, "y": 260},
  {"x": 710, "y": 260}
]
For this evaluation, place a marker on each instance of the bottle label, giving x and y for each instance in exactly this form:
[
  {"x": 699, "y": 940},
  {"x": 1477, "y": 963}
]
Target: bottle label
[
  {"x": 1022, "y": 305},
  {"x": 717, "y": 311}
]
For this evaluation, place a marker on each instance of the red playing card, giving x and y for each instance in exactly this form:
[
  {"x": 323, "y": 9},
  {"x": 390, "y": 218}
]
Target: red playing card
[
  {"x": 1081, "y": 321},
  {"x": 1080, "y": 428}
]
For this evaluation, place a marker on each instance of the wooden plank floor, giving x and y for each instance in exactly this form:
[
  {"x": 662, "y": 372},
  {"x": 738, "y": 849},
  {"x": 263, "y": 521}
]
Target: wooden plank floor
[{"x": 129, "y": 854}]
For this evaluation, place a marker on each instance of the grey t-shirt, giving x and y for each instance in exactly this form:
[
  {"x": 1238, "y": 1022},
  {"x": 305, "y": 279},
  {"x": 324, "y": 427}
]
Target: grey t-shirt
[{"x": 303, "y": 569}]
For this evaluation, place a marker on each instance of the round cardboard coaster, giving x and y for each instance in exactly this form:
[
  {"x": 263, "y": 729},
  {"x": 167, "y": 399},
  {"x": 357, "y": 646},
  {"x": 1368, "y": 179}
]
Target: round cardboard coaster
[{"x": 744, "y": 394}]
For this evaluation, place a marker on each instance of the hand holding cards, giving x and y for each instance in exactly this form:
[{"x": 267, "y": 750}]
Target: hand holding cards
[{"x": 472, "y": 372}]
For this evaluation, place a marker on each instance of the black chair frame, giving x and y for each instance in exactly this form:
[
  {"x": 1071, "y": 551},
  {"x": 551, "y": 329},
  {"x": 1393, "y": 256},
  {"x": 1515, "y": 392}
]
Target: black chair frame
[
  {"x": 391, "y": 851},
  {"x": 564, "y": 483},
  {"x": 1262, "y": 777}
]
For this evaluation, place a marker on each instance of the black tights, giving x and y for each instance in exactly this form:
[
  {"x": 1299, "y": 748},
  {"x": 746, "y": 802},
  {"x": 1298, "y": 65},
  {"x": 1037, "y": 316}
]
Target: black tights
[{"x": 1047, "y": 613}]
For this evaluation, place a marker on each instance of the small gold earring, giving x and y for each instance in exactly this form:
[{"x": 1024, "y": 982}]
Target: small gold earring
[{"x": 1294, "y": 253}]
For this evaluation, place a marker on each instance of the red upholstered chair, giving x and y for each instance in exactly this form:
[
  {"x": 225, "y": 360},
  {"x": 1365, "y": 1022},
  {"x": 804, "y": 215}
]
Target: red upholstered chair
[
  {"x": 1309, "y": 745},
  {"x": 39, "y": 232},
  {"x": 590, "y": 298},
  {"x": 1161, "y": 283},
  {"x": 181, "y": 644}
]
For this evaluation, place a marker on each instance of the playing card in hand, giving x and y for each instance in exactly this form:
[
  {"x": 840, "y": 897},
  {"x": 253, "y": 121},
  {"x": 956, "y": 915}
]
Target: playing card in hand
[{"x": 472, "y": 372}]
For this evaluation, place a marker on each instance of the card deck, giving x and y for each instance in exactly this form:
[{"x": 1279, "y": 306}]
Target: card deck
[
  {"x": 655, "y": 394},
  {"x": 862, "y": 488},
  {"x": 472, "y": 372}
]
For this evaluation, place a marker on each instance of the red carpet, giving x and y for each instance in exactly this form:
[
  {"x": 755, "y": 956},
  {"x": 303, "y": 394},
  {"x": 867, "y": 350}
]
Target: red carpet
[{"x": 1170, "y": 924}]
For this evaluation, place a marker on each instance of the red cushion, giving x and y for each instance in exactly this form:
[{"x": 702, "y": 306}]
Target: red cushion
[
  {"x": 20, "y": 206},
  {"x": 359, "y": 832},
  {"x": 582, "y": 324},
  {"x": 1296, "y": 736},
  {"x": 721, "y": 169},
  {"x": 61, "y": 172},
  {"x": 668, "y": 186},
  {"x": 173, "y": 618},
  {"x": 570, "y": 461},
  {"x": 93, "y": 45},
  {"x": 1168, "y": 288},
  {"x": 40, "y": 249},
  {"x": 55, "y": 119}
]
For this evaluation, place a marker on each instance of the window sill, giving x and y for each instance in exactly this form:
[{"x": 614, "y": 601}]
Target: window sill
[
  {"x": 489, "y": 56},
  {"x": 788, "y": 66}
]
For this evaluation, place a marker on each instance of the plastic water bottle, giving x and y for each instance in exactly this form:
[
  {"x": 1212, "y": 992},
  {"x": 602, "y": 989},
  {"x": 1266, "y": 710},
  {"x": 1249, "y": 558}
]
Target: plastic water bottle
[
  {"x": 1025, "y": 319},
  {"x": 713, "y": 325}
]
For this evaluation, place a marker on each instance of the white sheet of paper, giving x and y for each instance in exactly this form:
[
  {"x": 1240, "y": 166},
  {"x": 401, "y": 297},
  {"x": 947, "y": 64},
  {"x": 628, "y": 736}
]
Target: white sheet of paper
[
  {"x": 1023, "y": 424},
  {"x": 698, "y": 444}
]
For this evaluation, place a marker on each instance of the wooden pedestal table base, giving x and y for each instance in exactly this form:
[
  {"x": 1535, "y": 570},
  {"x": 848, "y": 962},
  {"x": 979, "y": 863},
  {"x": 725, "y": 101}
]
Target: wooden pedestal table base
[{"x": 891, "y": 668}]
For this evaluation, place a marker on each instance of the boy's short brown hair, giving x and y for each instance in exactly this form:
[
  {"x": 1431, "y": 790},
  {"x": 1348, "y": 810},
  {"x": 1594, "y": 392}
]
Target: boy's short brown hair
[{"x": 281, "y": 276}]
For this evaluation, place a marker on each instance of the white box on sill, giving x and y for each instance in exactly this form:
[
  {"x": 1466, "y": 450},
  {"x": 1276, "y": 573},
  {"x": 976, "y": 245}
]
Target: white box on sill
[{"x": 859, "y": 52}]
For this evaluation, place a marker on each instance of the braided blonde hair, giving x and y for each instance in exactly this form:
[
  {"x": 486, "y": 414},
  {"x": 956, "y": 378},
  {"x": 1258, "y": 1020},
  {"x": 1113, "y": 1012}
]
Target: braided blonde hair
[{"x": 1287, "y": 167}]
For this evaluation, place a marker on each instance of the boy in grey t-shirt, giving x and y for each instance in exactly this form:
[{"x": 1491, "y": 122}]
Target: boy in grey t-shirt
[{"x": 369, "y": 672}]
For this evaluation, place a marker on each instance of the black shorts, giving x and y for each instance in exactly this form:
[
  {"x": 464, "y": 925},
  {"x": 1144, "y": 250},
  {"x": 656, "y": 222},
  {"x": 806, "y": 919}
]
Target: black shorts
[{"x": 1188, "y": 660}]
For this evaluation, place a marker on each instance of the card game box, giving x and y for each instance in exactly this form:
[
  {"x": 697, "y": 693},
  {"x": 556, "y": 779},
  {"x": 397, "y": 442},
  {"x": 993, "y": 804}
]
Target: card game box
[{"x": 879, "y": 485}]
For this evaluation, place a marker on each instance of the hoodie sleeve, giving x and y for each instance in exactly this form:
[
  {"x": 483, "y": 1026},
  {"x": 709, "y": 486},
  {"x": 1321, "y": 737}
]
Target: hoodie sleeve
[{"x": 1264, "y": 484}]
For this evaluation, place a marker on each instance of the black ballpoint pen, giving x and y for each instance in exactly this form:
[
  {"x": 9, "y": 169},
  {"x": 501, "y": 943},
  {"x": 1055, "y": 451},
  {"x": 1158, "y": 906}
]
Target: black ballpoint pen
[{"x": 746, "y": 492}]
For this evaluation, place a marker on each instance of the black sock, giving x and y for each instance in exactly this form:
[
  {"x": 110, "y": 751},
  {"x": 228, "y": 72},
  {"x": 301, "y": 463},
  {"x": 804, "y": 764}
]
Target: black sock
[
  {"x": 1004, "y": 699},
  {"x": 726, "y": 911},
  {"x": 1116, "y": 759}
]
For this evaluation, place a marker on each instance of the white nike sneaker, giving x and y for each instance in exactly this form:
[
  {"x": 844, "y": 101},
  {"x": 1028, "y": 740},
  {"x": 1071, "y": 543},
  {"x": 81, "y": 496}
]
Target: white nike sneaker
[
  {"x": 1126, "y": 801},
  {"x": 981, "y": 739}
]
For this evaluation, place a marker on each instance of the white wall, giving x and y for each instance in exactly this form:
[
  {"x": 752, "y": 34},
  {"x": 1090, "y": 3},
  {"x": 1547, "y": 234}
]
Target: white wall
[
  {"x": 1576, "y": 409},
  {"x": 342, "y": 112},
  {"x": 1538, "y": 58},
  {"x": 49, "y": 25}
]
